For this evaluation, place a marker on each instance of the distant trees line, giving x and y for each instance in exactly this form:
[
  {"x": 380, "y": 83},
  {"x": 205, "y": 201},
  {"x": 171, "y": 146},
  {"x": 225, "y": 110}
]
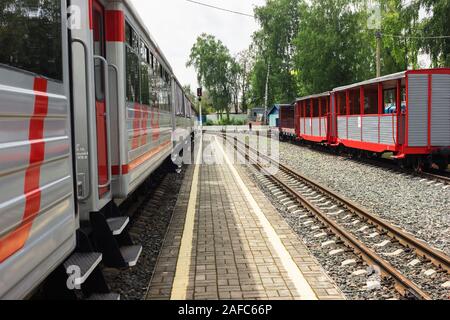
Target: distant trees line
[{"x": 305, "y": 47}]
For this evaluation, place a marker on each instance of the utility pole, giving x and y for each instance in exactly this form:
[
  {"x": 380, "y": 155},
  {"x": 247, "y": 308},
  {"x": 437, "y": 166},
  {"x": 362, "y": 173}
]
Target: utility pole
[
  {"x": 266, "y": 98},
  {"x": 199, "y": 95},
  {"x": 378, "y": 36}
]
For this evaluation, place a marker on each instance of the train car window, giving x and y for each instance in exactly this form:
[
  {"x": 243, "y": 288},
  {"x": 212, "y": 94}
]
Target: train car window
[
  {"x": 144, "y": 51},
  {"x": 308, "y": 108},
  {"x": 30, "y": 36},
  {"x": 341, "y": 100},
  {"x": 132, "y": 65},
  {"x": 154, "y": 87},
  {"x": 129, "y": 34},
  {"x": 371, "y": 100},
  {"x": 132, "y": 74},
  {"x": 315, "y": 108},
  {"x": 135, "y": 41},
  {"x": 355, "y": 102},
  {"x": 156, "y": 67},
  {"x": 145, "y": 84},
  {"x": 390, "y": 101},
  {"x": 323, "y": 107}
]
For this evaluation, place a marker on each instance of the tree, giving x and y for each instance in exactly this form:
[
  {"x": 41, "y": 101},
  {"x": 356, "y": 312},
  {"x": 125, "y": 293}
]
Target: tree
[
  {"x": 437, "y": 24},
  {"x": 274, "y": 47},
  {"x": 235, "y": 74},
  {"x": 332, "y": 46},
  {"x": 245, "y": 60},
  {"x": 216, "y": 70},
  {"x": 314, "y": 46},
  {"x": 399, "y": 19}
]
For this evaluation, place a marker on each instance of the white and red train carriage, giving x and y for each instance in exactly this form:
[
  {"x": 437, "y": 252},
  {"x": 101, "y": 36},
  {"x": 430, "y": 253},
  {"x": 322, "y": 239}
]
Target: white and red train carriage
[
  {"x": 311, "y": 117},
  {"x": 86, "y": 115},
  {"x": 406, "y": 113}
]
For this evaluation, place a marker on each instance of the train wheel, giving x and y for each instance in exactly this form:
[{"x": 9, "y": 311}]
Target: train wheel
[
  {"x": 403, "y": 164},
  {"x": 442, "y": 163},
  {"x": 418, "y": 165}
]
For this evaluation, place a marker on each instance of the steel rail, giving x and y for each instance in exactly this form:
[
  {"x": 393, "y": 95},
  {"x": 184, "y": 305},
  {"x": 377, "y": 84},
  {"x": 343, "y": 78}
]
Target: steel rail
[
  {"x": 383, "y": 163},
  {"x": 438, "y": 177},
  {"x": 403, "y": 284},
  {"x": 437, "y": 257}
]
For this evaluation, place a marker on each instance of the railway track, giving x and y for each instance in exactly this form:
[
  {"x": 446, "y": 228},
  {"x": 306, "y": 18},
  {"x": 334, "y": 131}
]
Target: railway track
[
  {"x": 365, "y": 234},
  {"x": 434, "y": 176},
  {"x": 437, "y": 177}
]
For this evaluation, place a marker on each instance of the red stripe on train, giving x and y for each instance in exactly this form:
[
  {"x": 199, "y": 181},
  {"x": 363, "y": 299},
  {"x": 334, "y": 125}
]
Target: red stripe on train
[
  {"x": 15, "y": 240},
  {"x": 91, "y": 21},
  {"x": 136, "y": 126},
  {"x": 115, "y": 26},
  {"x": 155, "y": 125}
]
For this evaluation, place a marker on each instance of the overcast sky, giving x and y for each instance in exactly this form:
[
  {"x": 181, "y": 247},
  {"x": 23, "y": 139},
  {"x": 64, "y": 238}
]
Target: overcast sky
[{"x": 176, "y": 24}]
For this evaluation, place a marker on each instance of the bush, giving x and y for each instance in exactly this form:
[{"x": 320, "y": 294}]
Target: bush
[
  {"x": 231, "y": 122},
  {"x": 225, "y": 122}
]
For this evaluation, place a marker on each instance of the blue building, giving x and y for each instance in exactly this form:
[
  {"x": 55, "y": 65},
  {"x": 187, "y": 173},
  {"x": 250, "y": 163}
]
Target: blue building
[{"x": 274, "y": 116}]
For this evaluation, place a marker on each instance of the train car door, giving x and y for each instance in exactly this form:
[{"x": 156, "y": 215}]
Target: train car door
[{"x": 99, "y": 46}]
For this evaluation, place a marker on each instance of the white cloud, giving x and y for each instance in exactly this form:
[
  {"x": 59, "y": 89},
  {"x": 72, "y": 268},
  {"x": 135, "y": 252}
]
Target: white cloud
[{"x": 176, "y": 24}]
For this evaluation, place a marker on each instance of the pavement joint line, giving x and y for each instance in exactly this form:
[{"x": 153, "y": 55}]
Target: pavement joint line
[
  {"x": 302, "y": 287},
  {"x": 181, "y": 279}
]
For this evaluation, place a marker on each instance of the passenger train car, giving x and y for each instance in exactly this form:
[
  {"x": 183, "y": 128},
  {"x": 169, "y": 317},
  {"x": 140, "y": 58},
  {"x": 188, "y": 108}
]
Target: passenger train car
[
  {"x": 88, "y": 108},
  {"x": 406, "y": 113}
]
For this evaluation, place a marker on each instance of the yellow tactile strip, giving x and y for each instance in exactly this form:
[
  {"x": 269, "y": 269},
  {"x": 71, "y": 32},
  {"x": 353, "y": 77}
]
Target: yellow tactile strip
[
  {"x": 324, "y": 287},
  {"x": 161, "y": 284},
  {"x": 232, "y": 256}
]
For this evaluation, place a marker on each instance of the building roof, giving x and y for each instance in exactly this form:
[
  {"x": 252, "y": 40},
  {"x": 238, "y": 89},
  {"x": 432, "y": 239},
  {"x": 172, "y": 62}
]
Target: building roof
[{"x": 275, "y": 107}]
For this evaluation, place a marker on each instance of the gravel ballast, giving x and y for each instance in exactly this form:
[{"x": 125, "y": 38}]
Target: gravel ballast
[
  {"x": 418, "y": 207},
  {"x": 148, "y": 226},
  {"x": 354, "y": 287}
]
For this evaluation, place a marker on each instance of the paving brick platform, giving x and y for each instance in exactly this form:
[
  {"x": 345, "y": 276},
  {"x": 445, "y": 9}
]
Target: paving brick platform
[{"x": 228, "y": 253}]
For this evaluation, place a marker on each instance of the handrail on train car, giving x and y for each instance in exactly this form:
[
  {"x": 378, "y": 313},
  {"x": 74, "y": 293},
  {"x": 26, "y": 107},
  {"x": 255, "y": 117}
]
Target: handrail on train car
[
  {"x": 88, "y": 103},
  {"x": 108, "y": 119},
  {"x": 116, "y": 70}
]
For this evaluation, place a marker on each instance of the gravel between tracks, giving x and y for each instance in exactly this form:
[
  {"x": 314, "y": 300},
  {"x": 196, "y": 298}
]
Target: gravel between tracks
[
  {"x": 354, "y": 287},
  {"x": 415, "y": 206},
  {"x": 148, "y": 227}
]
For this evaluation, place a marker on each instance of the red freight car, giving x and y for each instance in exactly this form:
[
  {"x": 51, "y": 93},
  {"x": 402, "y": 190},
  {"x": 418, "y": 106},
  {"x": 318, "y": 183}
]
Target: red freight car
[
  {"x": 311, "y": 117},
  {"x": 287, "y": 121},
  {"x": 407, "y": 113}
]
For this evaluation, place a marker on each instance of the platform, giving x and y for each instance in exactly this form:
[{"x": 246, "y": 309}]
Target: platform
[{"x": 227, "y": 241}]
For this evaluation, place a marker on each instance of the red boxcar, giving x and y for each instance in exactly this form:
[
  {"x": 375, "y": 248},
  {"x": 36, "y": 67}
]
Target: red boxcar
[
  {"x": 312, "y": 117},
  {"x": 287, "y": 128},
  {"x": 406, "y": 113}
]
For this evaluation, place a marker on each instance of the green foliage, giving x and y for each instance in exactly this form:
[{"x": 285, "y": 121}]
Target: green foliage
[
  {"x": 331, "y": 46},
  {"x": 279, "y": 21},
  {"x": 314, "y": 46},
  {"x": 437, "y": 24},
  {"x": 216, "y": 70},
  {"x": 226, "y": 122}
]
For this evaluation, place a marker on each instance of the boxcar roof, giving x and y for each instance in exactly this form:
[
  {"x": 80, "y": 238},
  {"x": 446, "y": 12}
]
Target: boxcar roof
[
  {"x": 389, "y": 77},
  {"x": 313, "y": 96}
]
